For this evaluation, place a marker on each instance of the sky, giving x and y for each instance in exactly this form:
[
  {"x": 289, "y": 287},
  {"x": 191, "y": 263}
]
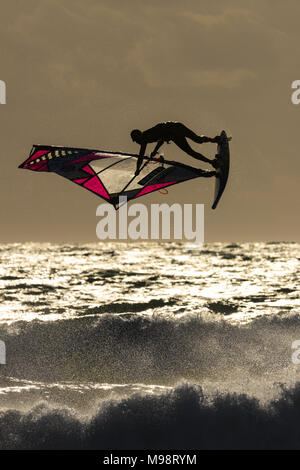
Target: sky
[{"x": 85, "y": 73}]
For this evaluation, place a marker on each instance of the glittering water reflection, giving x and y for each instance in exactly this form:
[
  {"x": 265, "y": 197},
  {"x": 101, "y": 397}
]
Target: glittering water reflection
[{"x": 52, "y": 282}]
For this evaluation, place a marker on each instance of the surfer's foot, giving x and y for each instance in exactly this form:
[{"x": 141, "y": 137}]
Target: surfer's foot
[
  {"x": 216, "y": 140},
  {"x": 215, "y": 162}
]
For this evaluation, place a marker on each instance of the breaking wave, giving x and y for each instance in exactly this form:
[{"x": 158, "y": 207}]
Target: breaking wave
[
  {"x": 153, "y": 349},
  {"x": 183, "y": 418}
]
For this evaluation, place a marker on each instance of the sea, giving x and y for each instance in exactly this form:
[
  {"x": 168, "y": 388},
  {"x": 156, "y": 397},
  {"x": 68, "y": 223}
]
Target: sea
[{"x": 150, "y": 346}]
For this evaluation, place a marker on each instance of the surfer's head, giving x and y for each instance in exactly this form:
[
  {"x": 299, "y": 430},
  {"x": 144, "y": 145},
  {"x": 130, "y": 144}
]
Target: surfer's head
[{"x": 136, "y": 135}]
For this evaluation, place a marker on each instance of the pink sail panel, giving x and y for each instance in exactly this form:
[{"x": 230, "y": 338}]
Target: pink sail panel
[
  {"x": 80, "y": 180},
  {"x": 88, "y": 169},
  {"x": 95, "y": 185},
  {"x": 40, "y": 166},
  {"x": 36, "y": 155},
  {"x": 154, "y": 187}
]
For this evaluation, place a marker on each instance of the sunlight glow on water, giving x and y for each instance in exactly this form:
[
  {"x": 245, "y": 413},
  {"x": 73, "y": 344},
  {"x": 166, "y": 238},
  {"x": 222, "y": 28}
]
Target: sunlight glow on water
[{"x": 51, "y": 282}]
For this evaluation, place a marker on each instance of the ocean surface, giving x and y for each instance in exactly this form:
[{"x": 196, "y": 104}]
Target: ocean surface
[{"x": 149, "y": 346}]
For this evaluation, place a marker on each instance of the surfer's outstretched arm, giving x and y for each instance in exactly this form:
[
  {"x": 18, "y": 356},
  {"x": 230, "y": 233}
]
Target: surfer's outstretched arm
[
  {"x": 140, "y": 159},
  {"x": 157, "y": 147}
]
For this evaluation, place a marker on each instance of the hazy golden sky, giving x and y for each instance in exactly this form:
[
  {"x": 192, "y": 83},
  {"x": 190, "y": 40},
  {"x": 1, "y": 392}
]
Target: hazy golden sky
[{"x": 85, "y": 72}]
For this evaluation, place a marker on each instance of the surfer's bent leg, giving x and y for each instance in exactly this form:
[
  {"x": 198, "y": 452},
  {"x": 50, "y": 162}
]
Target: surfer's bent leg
[
  {"x": 200, "y": 139},
  {"x": 182, "y": 143}
]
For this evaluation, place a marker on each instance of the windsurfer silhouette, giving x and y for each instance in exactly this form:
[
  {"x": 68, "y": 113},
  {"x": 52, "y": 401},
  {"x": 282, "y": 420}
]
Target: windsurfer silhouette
[{"x": 177, "y": 133}]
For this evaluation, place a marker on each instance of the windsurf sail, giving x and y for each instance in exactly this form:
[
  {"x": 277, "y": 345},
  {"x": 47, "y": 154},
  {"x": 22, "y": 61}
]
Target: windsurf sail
[{"x": 109, "y": 175}]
